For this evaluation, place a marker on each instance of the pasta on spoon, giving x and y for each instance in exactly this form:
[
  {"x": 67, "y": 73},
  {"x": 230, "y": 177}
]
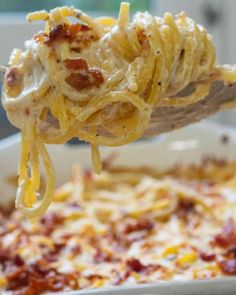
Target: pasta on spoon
[{"x": 98, "y": 80}]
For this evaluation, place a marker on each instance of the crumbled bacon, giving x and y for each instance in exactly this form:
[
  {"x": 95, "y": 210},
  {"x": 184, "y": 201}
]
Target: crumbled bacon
[
  {"x": 120, "y": 277},
  {"x": 117, "y": 239},
  {"x": 56, "y": 34},
  {"x": 228, "y": 266},
  {"x": 4, "y": 256},
  {"x": 121, "y": 237},
  {"x": 53, "y": 254},
  {"x": 50, "y": 221},
  {"x": 97, "y": 77},
  {"x": 81, "y": 81},
  {"x": 135, "y": 265},
  {"x": 138, "y": 225},
  {"x": 227, "y": 236},
  {"x": 94, "y": 277},
  {"x": 41, "y": 267},
  {"x": 58, "y": 247},
  {"x": 13, "y": 77},
  {"x": 82, "y": 76},
  {"x": 64, "y": 32},
  {"x": 18, "y": 260},
  {"x": 73, "y": 29},
  {"x": 75, "y": 64},
  {"x": 186, "y": 205},
  {"x": 101, "y": 256},
  {"x": 37, "y": 278},
  {"x": 207, "y": 257},
  {"x": 50, "y": 257},
  {"x": 36, "y": 286}
]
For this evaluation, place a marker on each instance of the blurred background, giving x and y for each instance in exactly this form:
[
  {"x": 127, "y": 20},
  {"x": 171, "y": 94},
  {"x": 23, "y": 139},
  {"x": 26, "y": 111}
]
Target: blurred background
[{"x": 218, "y": 16}]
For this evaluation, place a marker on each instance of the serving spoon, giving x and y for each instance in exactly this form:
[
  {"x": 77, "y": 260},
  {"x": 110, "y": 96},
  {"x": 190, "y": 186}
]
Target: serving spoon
[{"x": 167, "y": 118}]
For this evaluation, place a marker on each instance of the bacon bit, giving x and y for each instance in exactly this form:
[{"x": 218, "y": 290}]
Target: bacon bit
[
  {"x": 41, "y": 267},
  {"x": 13, "y": 77},
  {"x": 4, "y": 256},
  {"x": 228, "y": 266},
  {"x": 94, "y": 277},
  {"x": 207, "y": 257},
  {"x": 62, "y": 32},
  {"x": 84, "y": 28},
  {"x": 117, "y": 239},
  {"x": 121, "y": 277},
  {"x": 38, "y": 278},
  {"x": 85, "y": 79},
  {"x": 18, "y": 260},
  {"x": 75, "y": 28},
  {"x": 75, "y": 64},
  {"x": 227, "y": 237},
  {"x": 17, "y": 279},
  {"x": 36, "y": 286},
  {"x": 98, "y": 77},
  {"x": 59, "y": 246},
  {"x": 52, "y": 255},
  {"x": 52, "y": 219},
  {"x": 186, "y": 205},
  {"x": 139, "y": 226},
  {"x": 100, "y": 256},
  {"x": 135, "y": 265},
  {"x": 76, "y": 49},
  {"x": 56, "y": 34},
  {"x": 79, "y": 81},
  {"x": 50, "y": 222}
]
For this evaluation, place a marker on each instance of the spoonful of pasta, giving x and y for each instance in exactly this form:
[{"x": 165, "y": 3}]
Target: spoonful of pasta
[{"x": 107, "y": 82}]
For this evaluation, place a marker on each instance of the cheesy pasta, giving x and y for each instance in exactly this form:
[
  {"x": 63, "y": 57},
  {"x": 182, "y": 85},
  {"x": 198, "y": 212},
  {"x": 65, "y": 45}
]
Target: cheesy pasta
[{"x": 98, "y": 80}]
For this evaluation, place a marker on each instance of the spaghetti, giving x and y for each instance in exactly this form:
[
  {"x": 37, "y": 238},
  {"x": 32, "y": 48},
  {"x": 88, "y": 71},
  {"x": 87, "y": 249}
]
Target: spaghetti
[{"x": 99, "y": 80}]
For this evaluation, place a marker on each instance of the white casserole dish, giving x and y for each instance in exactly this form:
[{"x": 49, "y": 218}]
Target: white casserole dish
[{"x": 187, "y": 145}]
